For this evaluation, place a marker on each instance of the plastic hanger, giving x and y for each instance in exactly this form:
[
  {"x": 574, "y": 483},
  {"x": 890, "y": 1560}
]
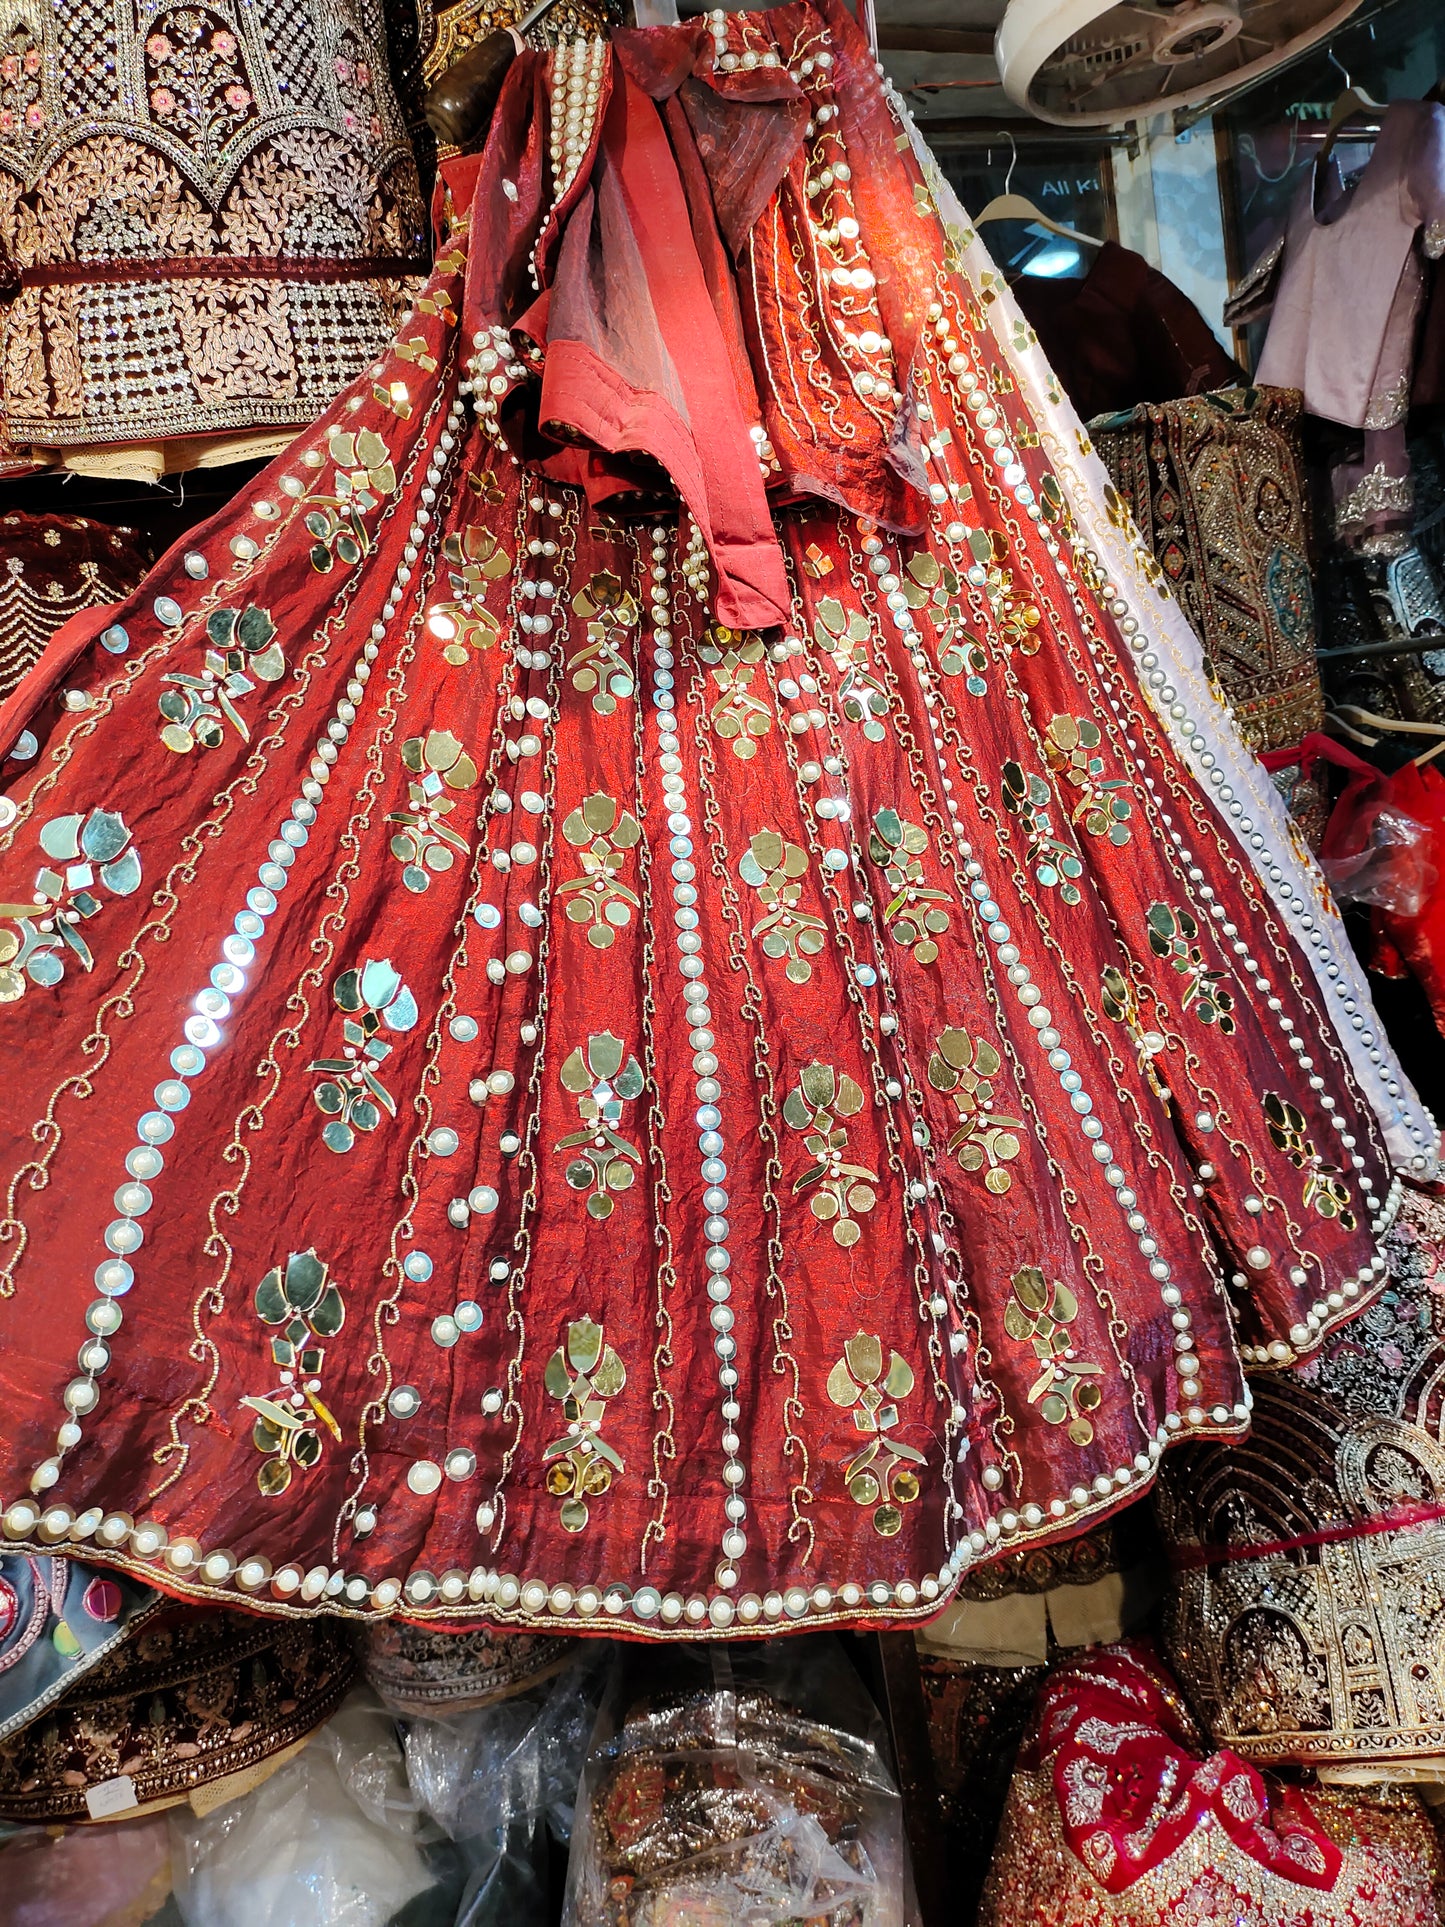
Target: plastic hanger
[
  {"x": 1352, "y": 102},
  {"x": 1009, "y": 206}
]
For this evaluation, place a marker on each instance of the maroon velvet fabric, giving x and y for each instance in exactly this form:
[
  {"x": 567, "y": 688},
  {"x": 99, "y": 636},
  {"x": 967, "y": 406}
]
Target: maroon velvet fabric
[{"x": 1123, "y": 335}]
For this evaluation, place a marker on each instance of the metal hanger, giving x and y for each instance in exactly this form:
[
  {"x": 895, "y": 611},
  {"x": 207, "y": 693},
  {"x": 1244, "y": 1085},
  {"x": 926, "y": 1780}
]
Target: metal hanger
[{"x": 1009, "y": 206}]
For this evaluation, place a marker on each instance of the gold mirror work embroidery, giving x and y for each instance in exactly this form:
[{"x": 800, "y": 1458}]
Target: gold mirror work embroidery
[
  {"x": 598, "y": 668},
  {"x": 844, "y": 635},
  {"x": 352, "y": 1097},
  {"x": 883, "y": 1474},
  {"x": 425, "y": 842},
  {"x": 1172, "y": 936},
  {"x": 1056, "y": 864},
  {"x": 738, "y": 716},
  {"x": 465, "y": 623},
  {"x": 598, "y": 897},
  {"x": 1039, "y": 1312},
  {"x": 1100, "y": 807},
  {"x": 584, "y": 1373},
  {"x": 303, "y": 1301},
  {"x": 241, "y": 646},
  {"x": 98, "y": 854},
  {"x": 1325, "y": 1190},
  {"x": 840, "y": 1189},
  {"x": 915, "y": 915},
  {"x": 933, "y": 586},
  {"x": 363, "y": 476},
  {"x": 602, "y": 1083},
  {"x": 774, "y": 868},
  {"x": 964, "y": 1068}
]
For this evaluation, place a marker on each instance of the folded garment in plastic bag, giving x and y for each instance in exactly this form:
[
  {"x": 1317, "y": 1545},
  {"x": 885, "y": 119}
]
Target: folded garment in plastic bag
[
  {"x": 744, "y": 1785},
  {"x": 332, "y": 1839}
]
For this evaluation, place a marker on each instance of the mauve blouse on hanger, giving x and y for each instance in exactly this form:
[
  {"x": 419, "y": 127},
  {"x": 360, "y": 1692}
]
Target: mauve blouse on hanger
[{"x": 1345, "y": 316}]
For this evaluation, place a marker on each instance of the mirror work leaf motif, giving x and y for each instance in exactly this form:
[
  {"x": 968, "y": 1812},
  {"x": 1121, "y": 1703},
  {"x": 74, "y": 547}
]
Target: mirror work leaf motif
[
  {"x": 775, "y": 868},
  {"x": 842, "y": 1191},
  {"x": 916, "y": 914},
  {"x": 424, "y": 843},
  {"x": 304, "y": 1307},
  {"x": 363, "y": 477},
  {"x": 603, "y": 835},
  {"x": 241, "y": 651},
  {"x": 932, "y": 587},
  {"x": 844, "y": 635},
  {"x": 464, "y": 625},
  {"x": 93, "y": 855},
  {"x": 1055, "y": 863},
  {"x": 583, "y": 1375},
  {"x": 1099, "y": 804},
  {"x": 1172, "y": 936},
  {"x": 599, "y": 669},
  {"x": 1040, "y": 1312},
  {"x": 871, "y": 1385},
  {"x": 602, "y": 1078},
  {"x": 1325, "y": 1189},
  {"x": 964, "y": 1069},
  {"x": 738, "y": 716},
  {"x": 1120, "y": 1000},
  {"x": 351, "y": 1097}
]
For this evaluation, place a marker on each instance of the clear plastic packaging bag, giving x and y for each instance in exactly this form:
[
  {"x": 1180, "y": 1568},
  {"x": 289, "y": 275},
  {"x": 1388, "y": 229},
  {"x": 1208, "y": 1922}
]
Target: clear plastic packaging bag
[
  {"x": 501, "y": 1780},
  {"x": 1393, "y": 870},
  {"x": 738, "y": 1787},
  {"x": 334, "y": 1838}
]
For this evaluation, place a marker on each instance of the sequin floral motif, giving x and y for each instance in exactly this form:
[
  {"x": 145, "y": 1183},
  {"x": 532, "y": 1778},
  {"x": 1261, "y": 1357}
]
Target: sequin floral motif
[
  {"x": 933, "y": 586},
  {"x": 301, "y": 1299},
  {"x": 583, "y": 1373},
  {"x": 425, "y": 842},
  {"x": 602, "y": 1083},
  {"x": 964, "y": 1068},
  {"x": 774, "y": 868},
  {"x": 738, "y": 716},
  {"x": 1039, "y": 1312},
  {"x": 1099, "y": 806},
  {"x": 1172, "y": 936},
  {"x": 98, "y": 854},
  {"x": 242, "y": 645},
  {"x": 599, "y": 897},
  {"x": 1018, "y": 621},
  {"x": 352, "y": 1097},
  {"x": 842, "y": 1191},
  {"x": 844, "y": 636},
  {"x": 363, "y": 476},
  {"x": 882, "y": 1474},
  {"x": 1325, "y": 1189},
  {"x": 915, "y": 915},
  {"x": 598, "y": 668},
  {"x": 465, "y": 623},
  {"x": 1056, "y": 864},
  {"x": 1121, "y": 1005}
]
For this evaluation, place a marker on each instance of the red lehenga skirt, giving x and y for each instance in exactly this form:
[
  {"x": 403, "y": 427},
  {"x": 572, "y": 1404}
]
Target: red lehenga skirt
[{"x": 595, "y": 1065}]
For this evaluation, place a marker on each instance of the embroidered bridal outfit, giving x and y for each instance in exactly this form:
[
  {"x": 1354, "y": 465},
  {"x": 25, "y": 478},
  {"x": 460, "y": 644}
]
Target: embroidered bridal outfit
[{"x": 619, "y": 1014}]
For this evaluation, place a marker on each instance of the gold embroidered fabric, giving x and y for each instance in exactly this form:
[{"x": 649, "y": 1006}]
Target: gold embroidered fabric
[
  {"x": 1307, "y": 1614},
  {"x": 1216, "y": 485},
  {"x": 1390, "y": 1878},
  {"x": 137, "y": 146},
  {"x": 192, "y": 1698}
]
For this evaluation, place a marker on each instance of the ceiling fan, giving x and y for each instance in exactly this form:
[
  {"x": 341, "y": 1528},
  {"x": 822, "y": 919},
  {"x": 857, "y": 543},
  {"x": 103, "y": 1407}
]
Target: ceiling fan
[{"x": 1095, "y": 63}]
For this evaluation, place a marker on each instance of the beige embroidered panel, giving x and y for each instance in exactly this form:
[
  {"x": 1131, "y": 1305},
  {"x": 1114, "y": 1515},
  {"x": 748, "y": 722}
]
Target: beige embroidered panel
[{"x": 213, "y": 212}]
